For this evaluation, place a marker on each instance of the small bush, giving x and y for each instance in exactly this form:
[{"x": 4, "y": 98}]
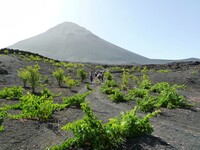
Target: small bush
[
  {"x": 59, "y": 75},
  {"x": 136, "y": 93},
  {"x": 118, "y": 96},
  {"x": 23, "y": 75},
  {"x": 11, "y": 93},
  {"x": 147, "y": 104},
  {"x": 46, "y": 79},
  {"x": 33, "y": 76},
  {"x": 82, "y": 74},
  {"x": 108, "y": 75},
  {"x": 108, "y": 87},
  {"x": 3, "y": 114},
  {"x": 36, "y": 107},
  {"x": 76, "y": 99},
  {"x": 70, "y": 82},
  {"x": 91, "y": 133},
  {"x": 125, "y": 80},
  {"x": 88, "y": 87},
  {"x": 146, "y": 83}
]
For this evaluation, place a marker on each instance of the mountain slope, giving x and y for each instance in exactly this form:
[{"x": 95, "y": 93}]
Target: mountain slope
[{"x": 70, "y": 42}]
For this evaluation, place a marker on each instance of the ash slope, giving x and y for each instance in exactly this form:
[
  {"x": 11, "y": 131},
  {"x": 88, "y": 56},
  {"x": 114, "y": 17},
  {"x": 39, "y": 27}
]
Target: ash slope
[{"x": 70, "y": 42}]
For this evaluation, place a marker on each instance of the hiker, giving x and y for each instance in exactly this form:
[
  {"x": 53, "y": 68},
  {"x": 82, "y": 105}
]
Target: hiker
[
  {"x": 91, "y": 77},
  {"x": 100, "y": 76}
]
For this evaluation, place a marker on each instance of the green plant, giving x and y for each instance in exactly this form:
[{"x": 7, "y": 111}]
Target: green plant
[
  {"x": 11, "y": 93},
  {"x": 6, "y": 52},
  {"x": 70, "y": 82},
  {"x": 35, "y": 58},
  {"x": 158, "y": 87},
  {"x": 76, "y": 99},
  {"x": 146, "y": 83},
  {"x": 108, "y": 75},
  {"x": 46, "y": 79},
  {"x": 110, "y": 83},
  {"x": 118, "y": 96},
  {"x": 144, "y": 70},
  {"x": 147, "y": 104},
  {"x": 164, "y": 71},
  {"x": 23, "y": 75},
  {"x": 167, "y": 97},
  {"x": 108, "y": 87},
  {"x": 91, "y": 133},
  {"x": 59, "y": 75},
  {"x": 82, "y": 74},
  {"x": 98, "y": 67},
  {"x": 135, "y": 79},
  {"x": 171, "y": 99},
  {"x": 125, "y": 80},
  {"x": 133, "y": 126},
  {"x": 88, "y": 87},
  {"x": 3, "y": 114},
  {"x": 136, "y": 93},
  {"x": 45, "y": 91},
  {"x": 36, "y": 107},
  {"x": 33, "y": 76}
]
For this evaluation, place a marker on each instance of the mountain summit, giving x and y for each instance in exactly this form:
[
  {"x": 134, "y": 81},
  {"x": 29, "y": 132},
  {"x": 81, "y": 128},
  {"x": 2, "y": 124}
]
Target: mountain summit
[{"x": 70, "y": 42}]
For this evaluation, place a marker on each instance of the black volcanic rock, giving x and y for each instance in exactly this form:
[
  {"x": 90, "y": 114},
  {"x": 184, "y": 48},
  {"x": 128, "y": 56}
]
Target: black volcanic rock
[
  {"x": 3, "y": 71},
  {"x": 70, "y": 42}
]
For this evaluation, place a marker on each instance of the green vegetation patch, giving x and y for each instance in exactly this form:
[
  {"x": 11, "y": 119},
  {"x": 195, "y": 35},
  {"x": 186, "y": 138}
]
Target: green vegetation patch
[
  {"x": 11, "y": 93},
  {"x": 91, "y": 133}
]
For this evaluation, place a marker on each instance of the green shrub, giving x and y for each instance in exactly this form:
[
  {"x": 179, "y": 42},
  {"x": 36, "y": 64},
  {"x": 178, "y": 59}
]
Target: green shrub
[
  {"x": 3, "y": 114},
  {"x": 125, "y": 80},
  {"x": 146, "y": 83},
  {"x": 70, "y": 82},
  {"x": 46, "y": 79},
  {"x": 118, "y": 96},
  {"x": 76, "y": 99},
  {"x": 46, "y": 92},
  {"x": 108, "y": 87},
  {"x": 110, "y": 83},
  {"x": 136, "y": 93},
  {"x": 108, "y": 90},
  {"x": 147, "y": 104},
  {"x": 158, "y": 87},
  {"x": 11, "y": 93},
  {"x": 6, "y": 52},
  {"x": 135, "y": 79},
  {"x": 171, "y": 99},
  {"x": 91, "y": 133},
  {"x": 35, "y": 58},
  {"x": 59, "y": 75},
  {"x": 36, "y": 107},
  {"x": 133, "y": 126},
  {"x": 33, "y": 76},
  {"x": 164, "y": 71},
  {"x": 23, "y": 75},
  {"x": 82, "y": 74},
  {"x": 88, "y": 87},
  {"x": 108, "y": 75},
  {"x": 168, "y": 97}
]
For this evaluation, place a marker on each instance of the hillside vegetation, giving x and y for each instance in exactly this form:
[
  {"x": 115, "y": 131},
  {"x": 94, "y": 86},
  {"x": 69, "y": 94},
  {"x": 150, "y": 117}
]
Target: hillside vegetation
[{"x": 50, "y": 104}]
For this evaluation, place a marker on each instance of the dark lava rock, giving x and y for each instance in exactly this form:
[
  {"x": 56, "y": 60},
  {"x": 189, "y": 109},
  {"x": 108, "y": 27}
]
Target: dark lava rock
[{"x": 3, "y": 71}]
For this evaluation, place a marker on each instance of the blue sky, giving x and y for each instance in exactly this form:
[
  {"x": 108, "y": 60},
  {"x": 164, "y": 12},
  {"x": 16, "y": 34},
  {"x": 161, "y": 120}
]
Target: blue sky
[{"x": 162, "y": 29}]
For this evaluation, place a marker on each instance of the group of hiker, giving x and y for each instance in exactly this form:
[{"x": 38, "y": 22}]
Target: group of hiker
[{"x": 98, "y": 75}]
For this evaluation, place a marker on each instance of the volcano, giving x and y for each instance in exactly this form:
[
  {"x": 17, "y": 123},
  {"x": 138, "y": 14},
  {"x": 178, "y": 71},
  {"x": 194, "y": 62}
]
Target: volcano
[{"x": 71, "y": 42}]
